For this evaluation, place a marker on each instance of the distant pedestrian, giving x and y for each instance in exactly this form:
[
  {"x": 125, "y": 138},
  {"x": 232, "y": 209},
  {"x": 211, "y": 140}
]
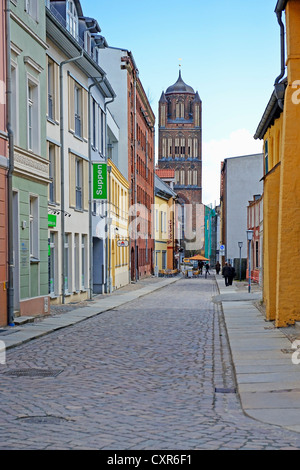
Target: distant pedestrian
[
  {"x": 218, "y": 267},
  {"x": 207, "y": 269},
  {"x": 226, "y": 273},
  {"x": 231, "y": 274},
  {"x": 200, "y": 264}
]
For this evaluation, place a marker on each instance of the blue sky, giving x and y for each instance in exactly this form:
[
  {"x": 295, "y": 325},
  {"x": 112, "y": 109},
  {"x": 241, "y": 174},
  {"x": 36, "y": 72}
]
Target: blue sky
[{"x": 230, "y": 54}]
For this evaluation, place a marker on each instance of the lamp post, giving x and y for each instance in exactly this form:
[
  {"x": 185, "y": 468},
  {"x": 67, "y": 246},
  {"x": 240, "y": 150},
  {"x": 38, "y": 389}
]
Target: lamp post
[
  {"x": 249, "y": 238},
  {"x": 240, "y": 247}
]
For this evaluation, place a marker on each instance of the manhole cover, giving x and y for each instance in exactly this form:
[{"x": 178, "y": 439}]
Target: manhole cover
[
  {"x": 42, "y": 419},
  {"x": 33, "y": 372},
  {"x": 225, "y": 390}
]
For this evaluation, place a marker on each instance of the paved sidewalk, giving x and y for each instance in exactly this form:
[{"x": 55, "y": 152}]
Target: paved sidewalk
[
  {"x": 268, "y": 382},
  {"x": 68, "y": 314}
]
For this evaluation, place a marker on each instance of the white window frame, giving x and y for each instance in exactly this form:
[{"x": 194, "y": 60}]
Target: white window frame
[
  {"x": 32, "y": 8},
  {"x": 78, "y": 183},
  {"x": 71, "y": 18},
  {"x": 33, "y": 114}
]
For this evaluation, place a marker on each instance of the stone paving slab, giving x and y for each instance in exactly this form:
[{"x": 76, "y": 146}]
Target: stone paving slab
[{"x": 268, "y": 382}]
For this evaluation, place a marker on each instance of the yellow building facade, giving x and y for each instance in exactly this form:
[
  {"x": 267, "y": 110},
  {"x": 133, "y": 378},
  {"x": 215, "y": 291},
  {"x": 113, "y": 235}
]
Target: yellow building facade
[
  {"x": 279, "y": 130},
  {"x": 118, "y": 267},
  {"x": 164, "y": 225}
]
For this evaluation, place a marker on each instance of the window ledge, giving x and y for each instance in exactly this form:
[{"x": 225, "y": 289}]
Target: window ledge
[{"x": 34, "y": 260}]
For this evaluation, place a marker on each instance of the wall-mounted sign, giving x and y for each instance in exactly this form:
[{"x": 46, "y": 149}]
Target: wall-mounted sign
[
  {"x": 51, "y": 220},
  {"x": 99, "y": 181},
  {"x": 122, "y": 242}
]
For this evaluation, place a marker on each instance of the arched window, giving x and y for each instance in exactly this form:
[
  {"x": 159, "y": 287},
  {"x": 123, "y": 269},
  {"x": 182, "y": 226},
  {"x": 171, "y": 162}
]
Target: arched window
[{"x": 179, "y": 110}]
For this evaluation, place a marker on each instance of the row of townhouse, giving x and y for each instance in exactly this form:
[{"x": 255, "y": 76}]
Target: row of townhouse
[{"x": 77, "y": 179}]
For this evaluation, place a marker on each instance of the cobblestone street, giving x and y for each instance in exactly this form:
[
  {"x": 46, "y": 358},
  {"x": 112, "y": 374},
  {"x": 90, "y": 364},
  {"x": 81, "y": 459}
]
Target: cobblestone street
[{"x": 154, "y": 374}]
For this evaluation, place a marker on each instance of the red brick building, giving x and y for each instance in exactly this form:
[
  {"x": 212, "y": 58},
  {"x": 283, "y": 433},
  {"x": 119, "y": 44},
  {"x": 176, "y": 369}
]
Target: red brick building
[
  {"x": 180, "y": 149},
  {"x": 3, "y": 171},
  {"x": 180, "y": 139},
  {"x": 141, "y": 122}
]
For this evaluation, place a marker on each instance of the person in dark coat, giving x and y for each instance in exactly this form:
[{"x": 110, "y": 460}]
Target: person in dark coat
[
  {"x": 231, "y": 274},
  {"x": 226, "y": 273},
  {"x": 218, "y": 267}
]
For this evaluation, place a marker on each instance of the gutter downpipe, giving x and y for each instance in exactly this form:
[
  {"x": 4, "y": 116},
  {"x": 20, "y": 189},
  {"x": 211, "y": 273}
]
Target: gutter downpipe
[
  {"x": 90, "y": 187},
  {"x": 62, "y": 171},
  {"x": 10, "y": 291},
  {"x": 136, "y": 270},
  {"x": 107, "y": 241},
  {"x": 279, "y": 87}
]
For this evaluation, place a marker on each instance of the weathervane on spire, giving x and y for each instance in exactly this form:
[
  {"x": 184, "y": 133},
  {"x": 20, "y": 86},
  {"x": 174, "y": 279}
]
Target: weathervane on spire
[{"x": 179, "y": 63}]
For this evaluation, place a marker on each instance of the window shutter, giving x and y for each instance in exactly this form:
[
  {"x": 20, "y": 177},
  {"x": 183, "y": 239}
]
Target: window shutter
[
  {"x": 84, "y": 115},
  {"x": 57, "y": 174},
  {"x": 72, "y": 184},
  {"x": 85, "y": 184},
  {"x": 56, "y": 91},
  {"x": 71, "y": 85}
]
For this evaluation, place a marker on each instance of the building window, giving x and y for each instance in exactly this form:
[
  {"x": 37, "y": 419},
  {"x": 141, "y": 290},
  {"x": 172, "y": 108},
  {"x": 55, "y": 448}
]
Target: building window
[
  {"x": 34, "y": 228},
  {"x": 77, "y": 106},
  {"x": 52, "y": 173},
  {"x": 195, "y": 150},
  {"x": 33, "y": 143},
  {"x": 30, "y": 104},
  {"x": 94, "y": 124},
  {"x": 78, "y": 180},
  {"x": 31, "y": 7},
  {"x": 182, "y": 177},
  {"x": 72, "y": 19},
  {"x": 83, "y": 262},
  {"x": 87, "y": 42},
  {"x": 50, "y": 89},
  {"x": 179, "y": 110},
  {"x": 266, "y": 157},
  {"x": 195, "y": 178}
]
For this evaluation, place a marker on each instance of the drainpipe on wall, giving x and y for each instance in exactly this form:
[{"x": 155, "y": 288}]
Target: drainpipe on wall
[
  {"x": 136, "y": 270},
  {"x": 107, "y": 241},
  {"x": 62, "y": 168},
  {"x": 10, "y": 291},
  {"x": 97, "y": 82},
  {"x": 280, "y": 87}
]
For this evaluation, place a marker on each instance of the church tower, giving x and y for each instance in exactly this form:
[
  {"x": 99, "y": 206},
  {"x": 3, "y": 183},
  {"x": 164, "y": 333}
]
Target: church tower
[{"x": 180, "y": 139}]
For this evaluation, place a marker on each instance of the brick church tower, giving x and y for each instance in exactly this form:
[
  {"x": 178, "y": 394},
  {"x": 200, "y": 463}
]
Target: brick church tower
[{"x": 180, "y": 139}]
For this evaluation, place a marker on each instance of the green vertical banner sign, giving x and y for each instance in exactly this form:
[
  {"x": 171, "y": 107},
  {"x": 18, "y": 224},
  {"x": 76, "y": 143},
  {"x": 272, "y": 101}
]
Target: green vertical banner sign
[{"x": 99, "y": 180}]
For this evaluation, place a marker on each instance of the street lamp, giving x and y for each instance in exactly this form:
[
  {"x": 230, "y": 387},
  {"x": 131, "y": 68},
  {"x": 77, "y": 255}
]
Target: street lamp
[
  {"x": 249, "y": 238},
  {"x": 240, "y": 247}
]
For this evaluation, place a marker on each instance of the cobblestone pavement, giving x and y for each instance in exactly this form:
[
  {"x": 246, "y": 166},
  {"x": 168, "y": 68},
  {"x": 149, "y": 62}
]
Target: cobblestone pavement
[{"x": 149, "y": 375}]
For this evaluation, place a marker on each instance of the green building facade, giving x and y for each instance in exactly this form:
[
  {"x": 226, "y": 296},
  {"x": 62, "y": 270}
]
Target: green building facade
[{"x": 30, "y": 175}]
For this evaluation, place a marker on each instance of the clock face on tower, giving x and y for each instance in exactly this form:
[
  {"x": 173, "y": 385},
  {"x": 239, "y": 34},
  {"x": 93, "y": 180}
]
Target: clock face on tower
[{"x": 180, "y": 139}]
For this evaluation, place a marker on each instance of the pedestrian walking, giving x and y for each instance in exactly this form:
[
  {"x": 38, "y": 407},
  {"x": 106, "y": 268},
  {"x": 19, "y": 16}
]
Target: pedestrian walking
[
  {"x": 218, "y": 267},
  {"x": 207, "y": 270},
  {"x": 226, "y": 273},
  {"x": 231, "y": 274}
]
